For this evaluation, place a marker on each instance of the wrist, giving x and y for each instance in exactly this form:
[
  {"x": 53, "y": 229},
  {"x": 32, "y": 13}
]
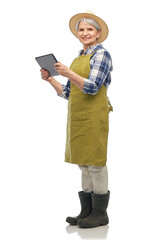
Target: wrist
[{"x": 51, "y": 80}]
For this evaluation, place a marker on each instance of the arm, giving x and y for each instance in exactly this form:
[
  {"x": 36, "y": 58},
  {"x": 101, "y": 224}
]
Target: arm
[
  {"x": 66, "y": 90},
  {"x": 100, "y": 68},
  {"x": 62, "y": 90},
  {"x": 56, "y": 85},
  {"x": 73, "y": 77},
  {"x": 101, "y": 65},
  {"x": 76, "y": 79}
]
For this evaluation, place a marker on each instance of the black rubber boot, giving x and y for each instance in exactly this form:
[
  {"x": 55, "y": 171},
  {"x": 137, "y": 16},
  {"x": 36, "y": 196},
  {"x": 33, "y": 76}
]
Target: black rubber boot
[
  {"x": 86, "y": 208},
  {"x": 98, "y": 215}
]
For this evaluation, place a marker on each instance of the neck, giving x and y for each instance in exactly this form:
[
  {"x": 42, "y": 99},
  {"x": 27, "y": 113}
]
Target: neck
[{"x": 87, "y": 46}]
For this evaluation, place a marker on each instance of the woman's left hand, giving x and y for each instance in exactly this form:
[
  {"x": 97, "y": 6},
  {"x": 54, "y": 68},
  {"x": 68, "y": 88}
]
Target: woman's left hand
[{"x": 62, "y": 69}]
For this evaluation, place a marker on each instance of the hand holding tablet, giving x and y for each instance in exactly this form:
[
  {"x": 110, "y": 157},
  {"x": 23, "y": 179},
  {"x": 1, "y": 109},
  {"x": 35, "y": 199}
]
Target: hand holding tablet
[{"x": 47, "y": 62}]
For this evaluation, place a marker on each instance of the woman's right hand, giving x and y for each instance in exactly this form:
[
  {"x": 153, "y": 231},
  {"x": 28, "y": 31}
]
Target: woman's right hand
[
  {"x": 57, "y": 86},
  {"x": 44, "y": 74}
]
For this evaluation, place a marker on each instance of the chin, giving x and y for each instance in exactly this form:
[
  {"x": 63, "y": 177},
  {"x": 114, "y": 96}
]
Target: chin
[{"x": 88, "y": 42}]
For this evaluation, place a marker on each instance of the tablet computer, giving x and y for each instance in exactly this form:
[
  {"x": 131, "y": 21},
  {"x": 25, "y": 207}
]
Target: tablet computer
[{"x": 47, "y": 62}]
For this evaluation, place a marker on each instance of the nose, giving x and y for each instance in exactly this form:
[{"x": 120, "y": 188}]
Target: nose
[{"x": 85, "y": 32}]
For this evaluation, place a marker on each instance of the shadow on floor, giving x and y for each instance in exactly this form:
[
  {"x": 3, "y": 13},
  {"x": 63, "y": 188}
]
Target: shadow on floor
[{"x": 89, "y": 233}]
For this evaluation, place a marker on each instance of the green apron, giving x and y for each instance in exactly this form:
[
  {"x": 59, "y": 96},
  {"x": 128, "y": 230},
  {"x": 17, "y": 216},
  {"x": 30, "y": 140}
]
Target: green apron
[{"x": 87, "y": 121}]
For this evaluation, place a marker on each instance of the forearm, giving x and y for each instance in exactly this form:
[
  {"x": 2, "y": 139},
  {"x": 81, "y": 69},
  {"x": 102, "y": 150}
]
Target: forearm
[
  {"x": 72, "y": 76},
  {"x": 76, "y": 79},
  {"x": 56, "y": 85}
]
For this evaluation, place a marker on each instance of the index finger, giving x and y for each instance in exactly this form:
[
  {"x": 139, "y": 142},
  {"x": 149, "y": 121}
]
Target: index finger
[{"x": 43, "y": 70}]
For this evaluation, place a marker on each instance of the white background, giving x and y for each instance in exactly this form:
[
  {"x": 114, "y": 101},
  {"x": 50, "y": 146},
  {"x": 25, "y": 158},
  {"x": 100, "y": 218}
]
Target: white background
[{"x": 37, "y": 189}]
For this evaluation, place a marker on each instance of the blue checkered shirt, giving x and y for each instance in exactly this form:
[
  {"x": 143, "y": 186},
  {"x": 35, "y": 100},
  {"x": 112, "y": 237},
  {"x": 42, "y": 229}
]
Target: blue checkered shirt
[{"x": 100, "y": 71}]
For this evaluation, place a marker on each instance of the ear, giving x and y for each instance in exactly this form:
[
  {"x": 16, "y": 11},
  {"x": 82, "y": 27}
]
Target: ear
[{"x": 99, "y": 33}]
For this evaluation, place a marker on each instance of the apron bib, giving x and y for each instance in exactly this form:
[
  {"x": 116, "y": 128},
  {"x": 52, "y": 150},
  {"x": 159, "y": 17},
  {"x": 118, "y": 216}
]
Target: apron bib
[{"x": 87, "y": 121}]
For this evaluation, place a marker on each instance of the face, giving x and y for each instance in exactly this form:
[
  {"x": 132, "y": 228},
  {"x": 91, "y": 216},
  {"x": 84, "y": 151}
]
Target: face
[{"x": 87, "y": 34}]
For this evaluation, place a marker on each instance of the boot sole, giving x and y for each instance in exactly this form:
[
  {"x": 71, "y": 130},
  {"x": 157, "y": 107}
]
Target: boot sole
[
  {"x": 92, "y": 226},
  {"x": 74, "y": 222}
]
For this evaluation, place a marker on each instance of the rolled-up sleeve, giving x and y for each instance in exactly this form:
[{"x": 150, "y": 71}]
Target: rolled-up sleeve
[
  {"x": 66, "y": 90},
  {"x": 100, "y": 67}
]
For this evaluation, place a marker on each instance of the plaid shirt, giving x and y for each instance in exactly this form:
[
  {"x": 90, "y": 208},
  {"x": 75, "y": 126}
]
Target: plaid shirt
[{"x": 100, "y": 73}]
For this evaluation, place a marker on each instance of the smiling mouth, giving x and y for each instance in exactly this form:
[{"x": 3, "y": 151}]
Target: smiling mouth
[{"x": 86, "y": 38}]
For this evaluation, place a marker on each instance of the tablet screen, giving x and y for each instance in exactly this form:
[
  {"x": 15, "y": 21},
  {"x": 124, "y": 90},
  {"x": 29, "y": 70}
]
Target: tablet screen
[{"x": 47, "y": 62}]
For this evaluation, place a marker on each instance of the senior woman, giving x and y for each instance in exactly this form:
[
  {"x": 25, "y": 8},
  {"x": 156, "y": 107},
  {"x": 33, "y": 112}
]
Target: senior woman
[{"x": 88, "y": 116}]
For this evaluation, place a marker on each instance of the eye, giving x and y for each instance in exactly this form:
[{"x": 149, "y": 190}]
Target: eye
[
  {"x": 80, "y": 29},
  {"x": 90, "y": 29}
]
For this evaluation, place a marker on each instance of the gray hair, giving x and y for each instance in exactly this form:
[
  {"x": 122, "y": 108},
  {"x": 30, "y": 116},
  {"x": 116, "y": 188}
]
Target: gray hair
[{"x": 90, "y": 21}]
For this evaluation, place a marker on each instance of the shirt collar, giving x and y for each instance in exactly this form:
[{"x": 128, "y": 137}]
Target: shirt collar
[{"x": 90, "y": 50}]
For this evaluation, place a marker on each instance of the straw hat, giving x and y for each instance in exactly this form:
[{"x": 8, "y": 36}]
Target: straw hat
[{"x": 89, "y": 14}]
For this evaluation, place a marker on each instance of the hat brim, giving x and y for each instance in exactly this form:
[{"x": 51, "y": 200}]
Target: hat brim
[{"x": 102, "y": 24}]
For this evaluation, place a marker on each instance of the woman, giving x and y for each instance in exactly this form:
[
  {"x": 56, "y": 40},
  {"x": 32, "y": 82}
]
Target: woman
[{"x": 87, "y": 121}]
